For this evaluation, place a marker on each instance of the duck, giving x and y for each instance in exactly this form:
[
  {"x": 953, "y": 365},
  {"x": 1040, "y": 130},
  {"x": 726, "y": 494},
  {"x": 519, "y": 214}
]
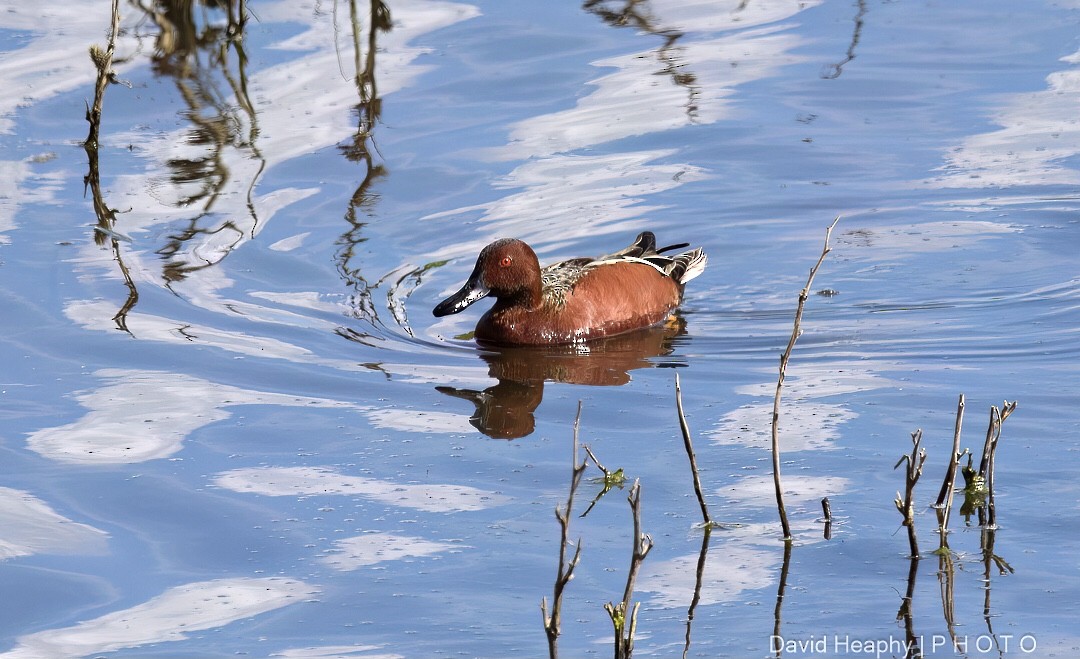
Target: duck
[{"x": 576, "y": 300}]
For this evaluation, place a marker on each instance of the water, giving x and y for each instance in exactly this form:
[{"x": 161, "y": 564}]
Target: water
[{"x": 231, "y": 424}]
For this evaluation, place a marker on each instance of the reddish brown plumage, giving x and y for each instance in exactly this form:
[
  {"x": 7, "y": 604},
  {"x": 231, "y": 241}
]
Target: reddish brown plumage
[{"x": 575, "y": 300}]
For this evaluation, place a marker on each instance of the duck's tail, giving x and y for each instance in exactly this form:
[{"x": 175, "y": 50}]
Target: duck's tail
[
  {"x": 687, "y": 265},
  {"x": 681, "y": 267}
]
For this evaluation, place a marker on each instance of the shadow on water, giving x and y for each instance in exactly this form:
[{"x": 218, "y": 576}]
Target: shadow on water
[{"x": 505, "y": 410}]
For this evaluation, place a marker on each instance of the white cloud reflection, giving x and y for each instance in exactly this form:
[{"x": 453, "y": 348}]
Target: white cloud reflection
[
  {"x": 29, "y": 526},
  {"x": 420, "y": 421},
  {"x": 688, "y": 81},
  {"x": 638, "y": 98},
  {"x": 20, "y": 185},
  {"x": 744, "y": 558},
  {"x": 602, "y": 193},
  {"x": 301, "y": 105},
  {"x": 1038, "y": 139},
  {"x": 305, "y": 481},
  {"x": 98, "y": 315},
  {"x": 371, "y": 548},
  {"x": 171, "y": 616},
  {"x": 799, "y": 491},
  {"x": 145, "y": 415},
  {"x": 743, "y": 567},
  {"x": 336, "y": 652},
  {"x": 900, "y": 241},
  {"x": 53, "y": 56},
  {"x": 806, "y": 421}
]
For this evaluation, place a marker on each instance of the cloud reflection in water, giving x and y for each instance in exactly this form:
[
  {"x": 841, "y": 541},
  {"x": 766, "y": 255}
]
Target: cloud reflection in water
[
  {"x": 371, "y": 548},
  {"x": 145, "y": 415},
  {"x": 30, "y": 526},
  {"x": 171, "y": 616},
  {"x": 305, "y": 481}
]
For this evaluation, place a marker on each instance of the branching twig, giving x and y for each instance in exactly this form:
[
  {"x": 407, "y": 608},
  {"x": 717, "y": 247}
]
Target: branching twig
[
  {"x": 626, "y": 624},
  {"x": 905, "y": 504},
  {"x": 565, "y": 572},
  {"x": 706, "y": 518},
  {"x": 612, "y": 479},
  {"x": 784, "y": 358}
]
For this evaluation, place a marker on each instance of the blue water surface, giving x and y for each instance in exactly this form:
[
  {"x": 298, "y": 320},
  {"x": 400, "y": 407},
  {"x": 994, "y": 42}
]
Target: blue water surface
[{"x": 231, "y": 424}]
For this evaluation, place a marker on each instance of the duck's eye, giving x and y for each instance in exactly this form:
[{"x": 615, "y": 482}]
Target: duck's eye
[{"x": 506, "y": 262}]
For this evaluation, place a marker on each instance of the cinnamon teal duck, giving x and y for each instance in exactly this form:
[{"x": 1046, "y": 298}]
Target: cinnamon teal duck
[{"x": 575, "y": 300}]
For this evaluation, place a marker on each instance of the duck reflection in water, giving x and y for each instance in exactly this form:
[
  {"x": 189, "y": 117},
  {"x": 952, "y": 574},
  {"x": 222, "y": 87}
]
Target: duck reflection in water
[
  {"x": 505, "y": 410},
  {"x": 583, "y": 321}
]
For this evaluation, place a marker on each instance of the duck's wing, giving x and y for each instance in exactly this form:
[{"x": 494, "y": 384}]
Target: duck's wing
[
  {"x": 558, "y": 279},
  {"x": 643, "y": 245}
]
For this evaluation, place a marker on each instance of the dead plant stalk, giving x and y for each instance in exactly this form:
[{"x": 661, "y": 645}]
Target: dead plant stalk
[
  {"x": 784, "y": 358},
  {"x": 553, "y": 619}
]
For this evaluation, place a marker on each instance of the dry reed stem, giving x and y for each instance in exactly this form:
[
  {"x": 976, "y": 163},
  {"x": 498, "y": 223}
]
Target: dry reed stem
[
  {"x": 784, "y": 358},
  {"x": 950, "y": 476},
  {"x": 948, "y": 486},
  {"x": 625, "y": 624},
  {"x": 906, "y": 503},
  {"x": 565, "y": 572},
  {"x": 986, "y": 465},
  {"x": 706, "y": 518}
]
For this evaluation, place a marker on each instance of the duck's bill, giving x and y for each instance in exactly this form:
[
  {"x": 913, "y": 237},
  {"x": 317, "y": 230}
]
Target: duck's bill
[{"x": 469, "y": 293}]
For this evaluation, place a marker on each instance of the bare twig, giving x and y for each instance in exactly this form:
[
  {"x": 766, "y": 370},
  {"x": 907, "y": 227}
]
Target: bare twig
[
  {"x": 950, "y": 476},
  {"x": 706, "y": 518},
  {"x": 784, "y": 358},
  {"x": 826, "y": 511},
  {"x": 948, "y": 486},
  {"x": 565, "y": 573},
  {"x": 623, "y": 617},
  {"x": 986, "y": 466},
  {"x": 905, "y": 504},
  {"x": 588, "y": 452},
  {"x": 612, "y": 479}
]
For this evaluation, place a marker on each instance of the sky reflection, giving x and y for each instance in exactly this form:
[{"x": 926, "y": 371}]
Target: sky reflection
[
  {"x": 30, "y": 526},
  {"x": 371, "y": 548},
  {"x": 172, "y": 616},
  {"x": 146, "y": 415},
  {"x": 306, "y": 481},
  {"x": 1039, "y": 135}
]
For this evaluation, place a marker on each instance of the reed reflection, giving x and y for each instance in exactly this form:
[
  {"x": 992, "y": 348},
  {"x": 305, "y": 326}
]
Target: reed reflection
[
  {"x": 362, "y": 150},
  {"x": 105, "y": 230},
  {"x": 505, "y": 410},
  {"x": 671, "y": 57},
  {"x": 200, "y": 46}
]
